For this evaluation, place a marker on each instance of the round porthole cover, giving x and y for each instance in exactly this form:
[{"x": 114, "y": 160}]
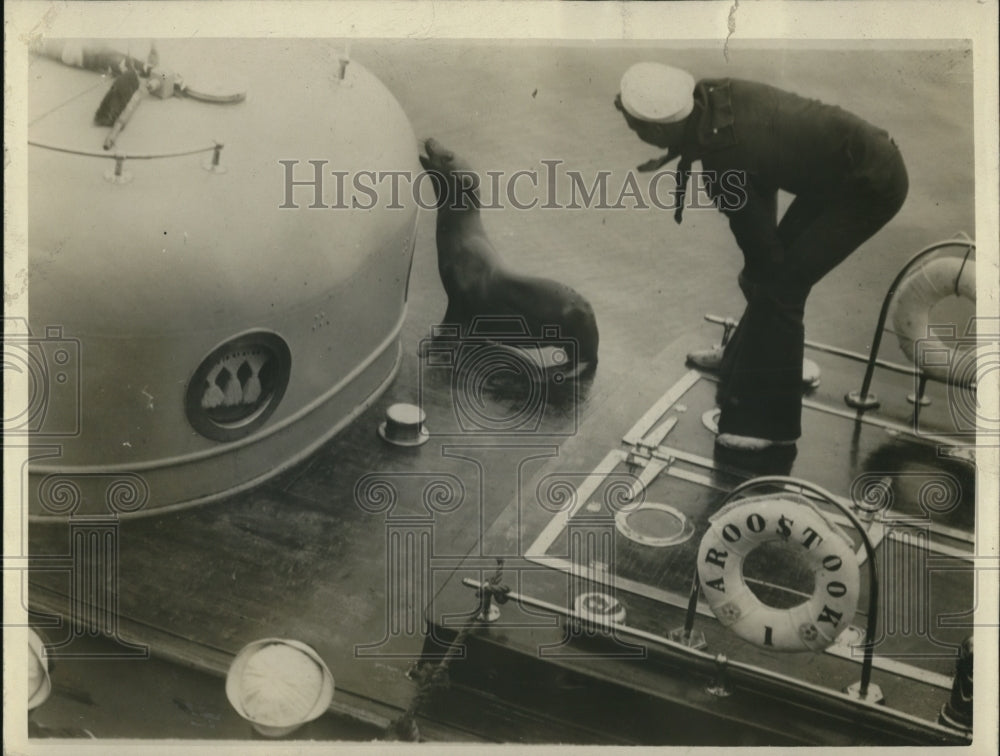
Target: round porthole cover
[
  {"x": 238, "y": 386},
  {"x": 654, "y": 525}
]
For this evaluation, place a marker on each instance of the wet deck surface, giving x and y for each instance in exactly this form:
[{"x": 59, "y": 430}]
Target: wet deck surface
[{"x": 306, "y": 556}]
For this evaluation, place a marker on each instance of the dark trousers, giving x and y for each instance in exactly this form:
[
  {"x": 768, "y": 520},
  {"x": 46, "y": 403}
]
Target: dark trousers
[{"x": 760, "y": 389}]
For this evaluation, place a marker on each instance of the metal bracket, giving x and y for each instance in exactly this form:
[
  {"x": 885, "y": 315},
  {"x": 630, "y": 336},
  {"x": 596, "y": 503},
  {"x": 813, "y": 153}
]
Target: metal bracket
[
  {"x": 873, "y": 693},
  {"x": 692, "y": 639},
  {"x": 650, "y": 471},
  {"x": 655, "y": 438},
  {"x": 720, "y": 685}
]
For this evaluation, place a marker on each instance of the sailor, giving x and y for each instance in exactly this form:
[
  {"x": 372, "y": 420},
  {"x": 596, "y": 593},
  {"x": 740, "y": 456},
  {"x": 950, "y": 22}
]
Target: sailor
[{"x": 752, "y": 139}]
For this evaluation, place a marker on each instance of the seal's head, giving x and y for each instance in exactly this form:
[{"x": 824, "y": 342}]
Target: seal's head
[{"x": 456, "y": 185}]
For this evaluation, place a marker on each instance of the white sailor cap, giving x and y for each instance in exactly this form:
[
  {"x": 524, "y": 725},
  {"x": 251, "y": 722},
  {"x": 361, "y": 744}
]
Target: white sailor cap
[{"x": 657, "y": 93}]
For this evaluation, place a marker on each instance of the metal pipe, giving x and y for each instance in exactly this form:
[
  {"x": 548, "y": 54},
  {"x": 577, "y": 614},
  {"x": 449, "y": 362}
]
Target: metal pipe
[
  {"x": 692, "y": 608},
  {"x": 857, "y": 356},
  {"x": 919, "y": 400},
  {"x": 873, "y": 584}
]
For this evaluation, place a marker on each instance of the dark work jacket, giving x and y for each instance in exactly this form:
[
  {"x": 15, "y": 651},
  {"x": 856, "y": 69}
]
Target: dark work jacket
[{"x": 775, "y": 140}]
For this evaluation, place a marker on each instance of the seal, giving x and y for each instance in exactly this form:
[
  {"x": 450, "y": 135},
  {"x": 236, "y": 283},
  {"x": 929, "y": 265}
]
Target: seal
[{"x": 478, "y": 283}]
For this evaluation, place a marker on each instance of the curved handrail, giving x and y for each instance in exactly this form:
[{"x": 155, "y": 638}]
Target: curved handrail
[{"x": 862, "y": 400}]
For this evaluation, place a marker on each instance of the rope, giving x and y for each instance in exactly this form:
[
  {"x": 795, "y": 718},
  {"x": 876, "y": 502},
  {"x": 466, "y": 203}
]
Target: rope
[
  {"x": 123, "y": 156},
  {"x": 405, "y": 727}
]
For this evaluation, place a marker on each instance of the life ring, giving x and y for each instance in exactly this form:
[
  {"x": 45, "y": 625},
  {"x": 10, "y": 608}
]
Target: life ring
[
  {"x": 916, "y": 295},
  {"x": 740, "y": 527}
]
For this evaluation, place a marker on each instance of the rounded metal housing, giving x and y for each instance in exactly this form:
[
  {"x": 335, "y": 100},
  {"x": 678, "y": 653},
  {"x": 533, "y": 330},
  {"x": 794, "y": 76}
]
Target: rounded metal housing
[{"x": 222, "y": 313}]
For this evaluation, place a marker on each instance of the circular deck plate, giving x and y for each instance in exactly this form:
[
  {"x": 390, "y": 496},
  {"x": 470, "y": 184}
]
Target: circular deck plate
[
  {"x": 600, "y": 607},
  {"x": 656, "y": 525}
]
